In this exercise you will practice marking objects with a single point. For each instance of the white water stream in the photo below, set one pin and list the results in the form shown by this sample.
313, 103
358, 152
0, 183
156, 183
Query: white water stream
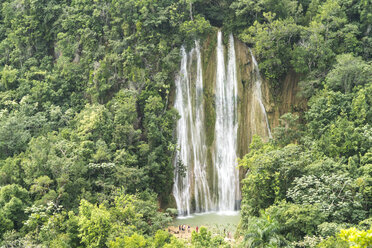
258, 92
191, 137
226, 127
217, 190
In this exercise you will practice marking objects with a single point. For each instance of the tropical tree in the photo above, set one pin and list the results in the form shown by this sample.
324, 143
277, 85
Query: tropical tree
262, 232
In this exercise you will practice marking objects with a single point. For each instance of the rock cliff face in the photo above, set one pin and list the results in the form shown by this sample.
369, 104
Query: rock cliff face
259, 109
276, 101
251, 120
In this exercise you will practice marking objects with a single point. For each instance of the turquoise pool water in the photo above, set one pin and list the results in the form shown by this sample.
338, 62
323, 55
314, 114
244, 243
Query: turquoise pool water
214, 221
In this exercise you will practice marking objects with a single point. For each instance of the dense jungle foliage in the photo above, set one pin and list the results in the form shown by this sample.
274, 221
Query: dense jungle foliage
86, 128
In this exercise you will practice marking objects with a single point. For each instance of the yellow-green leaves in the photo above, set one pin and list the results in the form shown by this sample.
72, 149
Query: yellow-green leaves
357, 238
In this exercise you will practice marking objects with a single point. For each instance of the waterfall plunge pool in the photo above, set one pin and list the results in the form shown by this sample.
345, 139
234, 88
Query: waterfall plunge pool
216, 222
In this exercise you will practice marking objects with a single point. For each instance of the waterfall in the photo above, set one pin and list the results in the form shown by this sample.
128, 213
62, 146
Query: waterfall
191, 137
193, 189
181, 187
202, 194
258, 92
226, 127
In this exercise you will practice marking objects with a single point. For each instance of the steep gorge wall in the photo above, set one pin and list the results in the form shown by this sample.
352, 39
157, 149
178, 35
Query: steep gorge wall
209, 63
276, 101
251, 118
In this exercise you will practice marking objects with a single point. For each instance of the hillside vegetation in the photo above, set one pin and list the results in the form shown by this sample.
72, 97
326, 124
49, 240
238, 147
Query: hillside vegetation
87, 128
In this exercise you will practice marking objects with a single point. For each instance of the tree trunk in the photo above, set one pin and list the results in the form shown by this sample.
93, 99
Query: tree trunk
191, 11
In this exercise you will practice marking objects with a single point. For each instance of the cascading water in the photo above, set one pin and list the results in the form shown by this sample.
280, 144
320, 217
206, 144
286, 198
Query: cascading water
258, 92
191, 137
194, 190
202, 194
226, 127
181, 187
